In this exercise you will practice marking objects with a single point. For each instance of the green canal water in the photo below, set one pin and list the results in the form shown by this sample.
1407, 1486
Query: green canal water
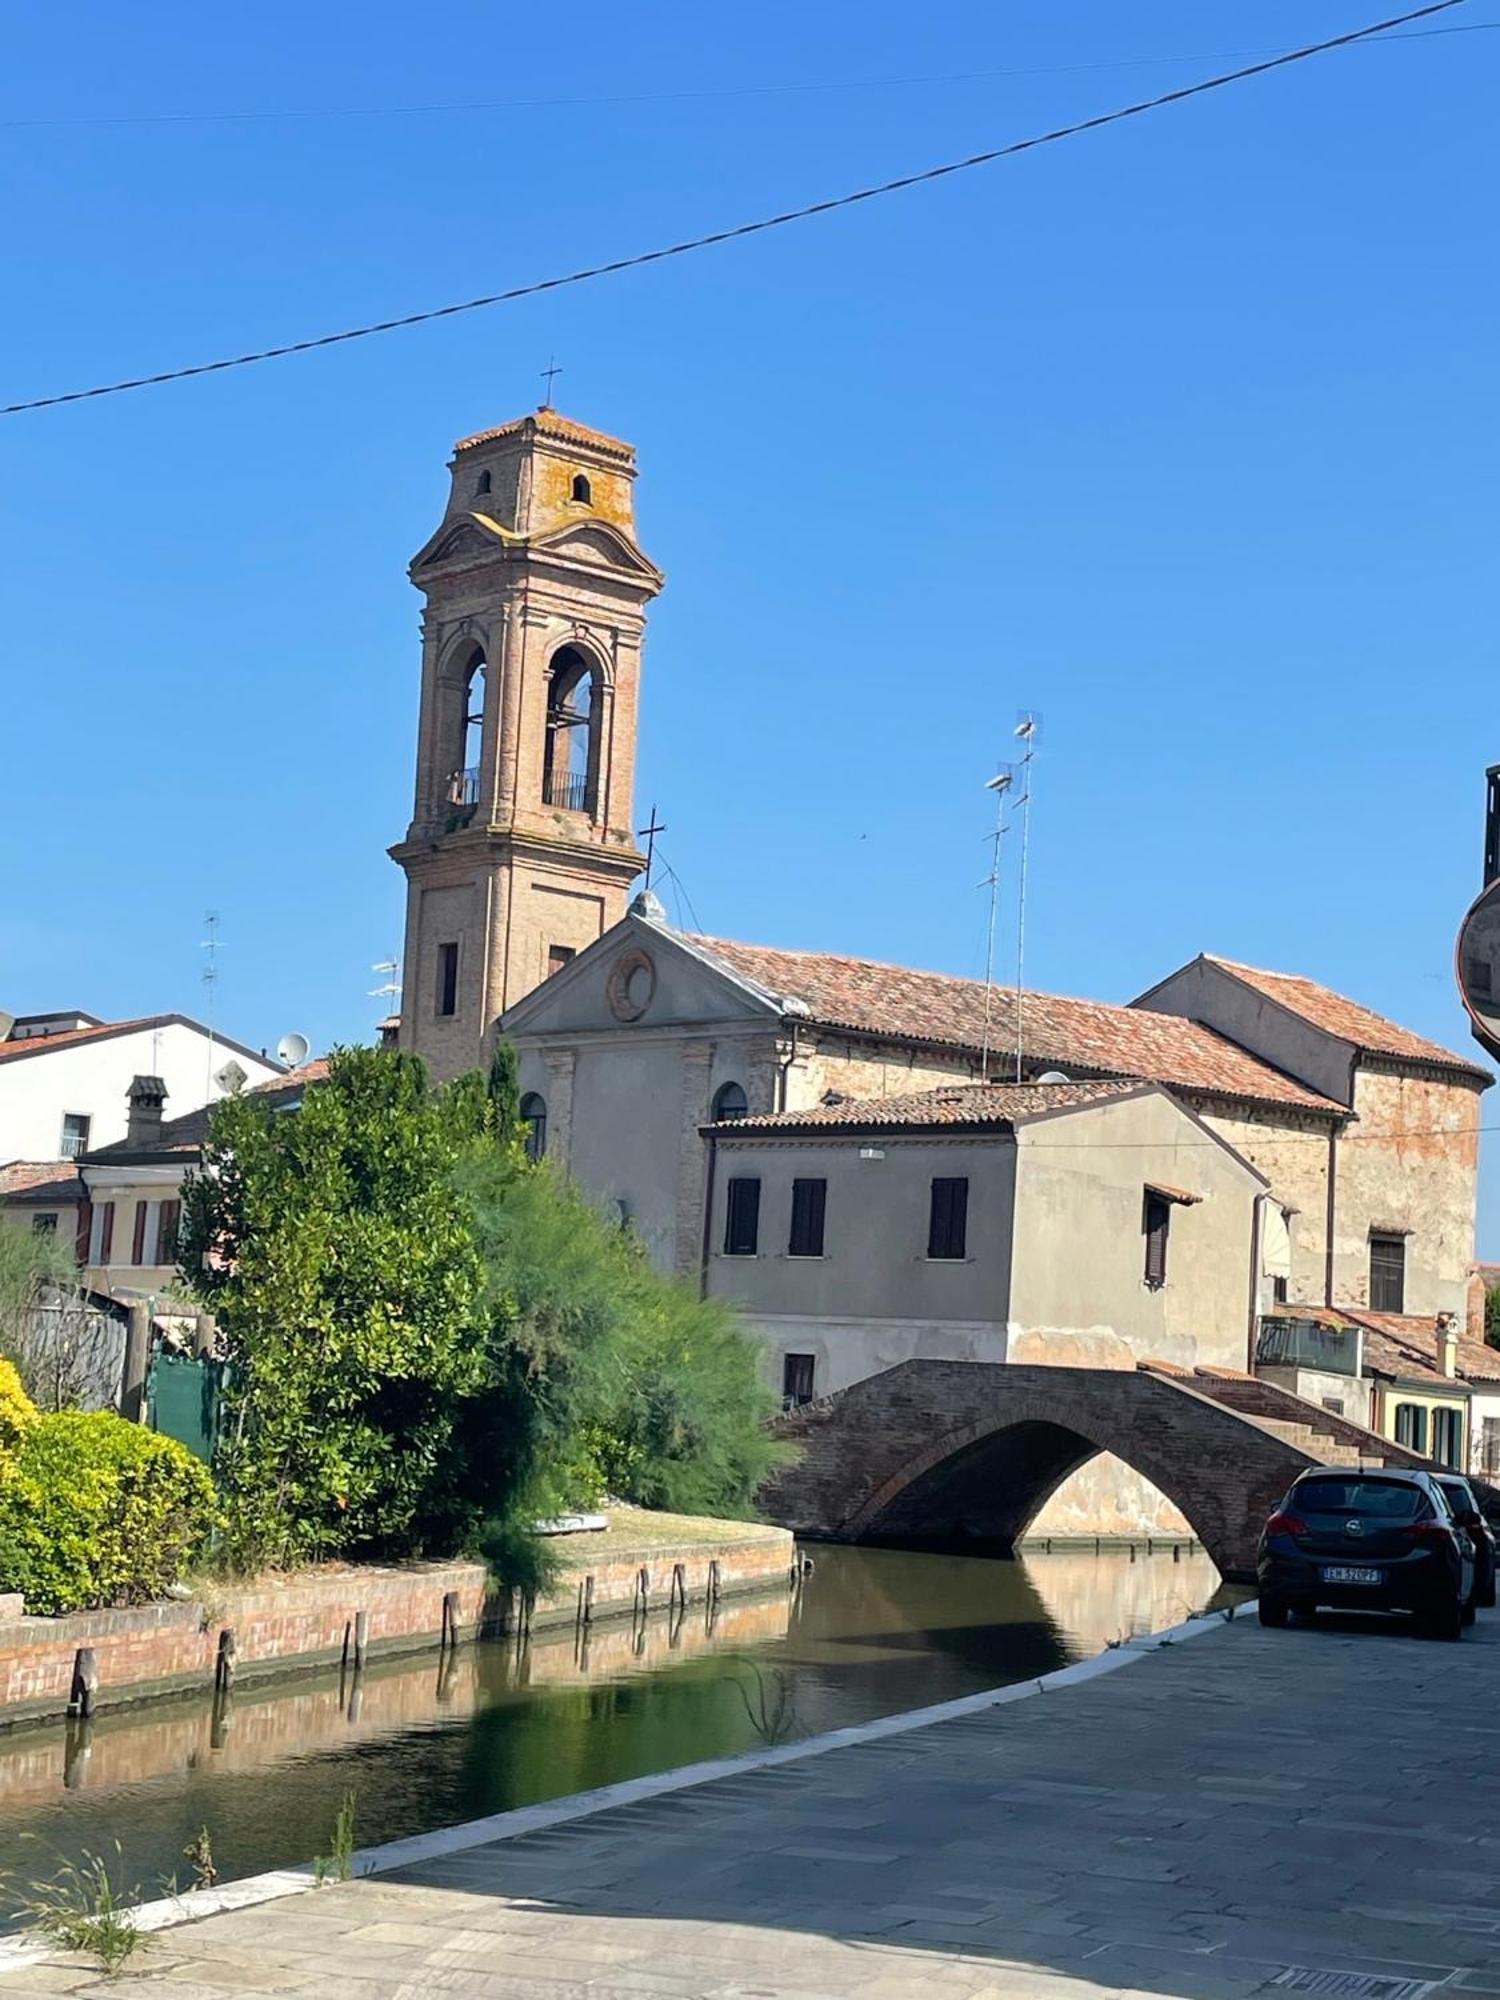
870, 1632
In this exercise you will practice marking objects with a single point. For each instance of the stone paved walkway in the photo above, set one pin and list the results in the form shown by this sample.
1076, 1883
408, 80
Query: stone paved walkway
1194, 1825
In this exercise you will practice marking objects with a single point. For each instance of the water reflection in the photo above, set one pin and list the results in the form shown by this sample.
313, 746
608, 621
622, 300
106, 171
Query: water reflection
434, 1739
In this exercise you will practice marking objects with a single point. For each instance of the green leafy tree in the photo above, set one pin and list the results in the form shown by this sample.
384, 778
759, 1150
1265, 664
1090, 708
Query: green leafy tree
339, 1261
1492, 1316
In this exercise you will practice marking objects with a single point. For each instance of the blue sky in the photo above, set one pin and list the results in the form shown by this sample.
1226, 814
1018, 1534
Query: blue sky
1183, 433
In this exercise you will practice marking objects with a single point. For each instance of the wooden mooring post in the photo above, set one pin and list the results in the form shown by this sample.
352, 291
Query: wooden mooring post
450, 1620
361, 1639
224, 1664
85, 1683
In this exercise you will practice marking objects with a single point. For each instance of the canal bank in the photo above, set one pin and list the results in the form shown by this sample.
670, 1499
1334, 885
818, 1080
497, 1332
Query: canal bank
1204, 1820
353, 1614
428, 1741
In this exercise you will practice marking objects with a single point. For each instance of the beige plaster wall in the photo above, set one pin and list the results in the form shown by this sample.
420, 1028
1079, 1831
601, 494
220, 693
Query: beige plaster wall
1292, 1153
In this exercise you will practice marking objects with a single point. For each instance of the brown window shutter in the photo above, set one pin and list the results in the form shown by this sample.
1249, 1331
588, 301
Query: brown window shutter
84, 1230
138, 1243
166, 1232
106, 1232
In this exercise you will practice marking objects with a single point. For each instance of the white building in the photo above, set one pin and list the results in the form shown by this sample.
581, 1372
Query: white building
64, 1077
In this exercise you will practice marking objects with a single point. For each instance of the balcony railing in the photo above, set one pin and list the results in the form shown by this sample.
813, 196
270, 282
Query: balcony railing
1308, 1343
569, 789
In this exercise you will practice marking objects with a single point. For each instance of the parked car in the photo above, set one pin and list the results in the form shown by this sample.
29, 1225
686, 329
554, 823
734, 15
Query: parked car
1382, 1540
1460, 1497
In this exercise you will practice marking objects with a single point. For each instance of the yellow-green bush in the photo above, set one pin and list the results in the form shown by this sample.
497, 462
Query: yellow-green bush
96, 1511
17, 1414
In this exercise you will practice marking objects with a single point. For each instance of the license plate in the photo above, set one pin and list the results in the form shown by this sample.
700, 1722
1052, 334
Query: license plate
1346, 1575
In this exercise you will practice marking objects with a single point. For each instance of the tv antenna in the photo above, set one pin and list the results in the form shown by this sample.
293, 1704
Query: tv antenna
389, 988
1000, 784
213, 944
1027, 730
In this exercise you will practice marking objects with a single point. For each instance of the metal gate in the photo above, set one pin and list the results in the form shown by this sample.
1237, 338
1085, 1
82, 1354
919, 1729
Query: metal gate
183, 1398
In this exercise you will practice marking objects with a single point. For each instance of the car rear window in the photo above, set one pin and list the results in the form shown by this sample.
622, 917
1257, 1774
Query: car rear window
1385, 1499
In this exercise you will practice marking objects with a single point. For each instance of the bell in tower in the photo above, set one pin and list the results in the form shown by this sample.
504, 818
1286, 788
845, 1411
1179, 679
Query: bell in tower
520, 850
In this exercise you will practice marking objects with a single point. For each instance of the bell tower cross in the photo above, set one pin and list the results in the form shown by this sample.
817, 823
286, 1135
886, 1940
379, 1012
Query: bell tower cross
521, 846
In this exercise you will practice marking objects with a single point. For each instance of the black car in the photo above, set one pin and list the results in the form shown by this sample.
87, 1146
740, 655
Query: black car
1460, 1497
1382, 1540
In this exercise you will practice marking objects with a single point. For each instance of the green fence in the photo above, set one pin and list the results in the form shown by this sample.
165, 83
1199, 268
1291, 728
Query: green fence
183, 1399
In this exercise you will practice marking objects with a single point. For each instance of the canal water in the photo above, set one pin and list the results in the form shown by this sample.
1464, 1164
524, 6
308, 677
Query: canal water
870, 1632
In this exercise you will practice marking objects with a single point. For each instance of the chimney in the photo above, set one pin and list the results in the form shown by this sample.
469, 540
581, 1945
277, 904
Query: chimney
1447, 1343
146, 1096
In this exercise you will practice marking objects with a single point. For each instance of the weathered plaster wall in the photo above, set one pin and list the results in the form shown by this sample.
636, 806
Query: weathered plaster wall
828, 1062
1410, 1163
1292, 1152
1206, 992
1109, 1501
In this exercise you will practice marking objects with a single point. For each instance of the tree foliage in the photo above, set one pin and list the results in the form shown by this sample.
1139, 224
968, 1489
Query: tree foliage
432, 1340
1492, 1315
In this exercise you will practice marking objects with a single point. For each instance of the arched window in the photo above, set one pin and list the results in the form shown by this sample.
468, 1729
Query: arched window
729, 1102
581, 489
571, 778
481, 484
464, 784
534, 1118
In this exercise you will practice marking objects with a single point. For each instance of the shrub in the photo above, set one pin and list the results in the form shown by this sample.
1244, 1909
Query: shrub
95, 1511
17, 1412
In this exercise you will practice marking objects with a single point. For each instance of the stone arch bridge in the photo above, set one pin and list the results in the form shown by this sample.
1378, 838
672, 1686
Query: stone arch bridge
970, 1450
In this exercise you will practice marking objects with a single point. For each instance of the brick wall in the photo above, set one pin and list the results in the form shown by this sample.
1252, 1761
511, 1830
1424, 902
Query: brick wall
304, 1618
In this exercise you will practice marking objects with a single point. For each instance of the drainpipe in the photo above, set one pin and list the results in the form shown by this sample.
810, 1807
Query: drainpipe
1328, 1226
1257, 1240
785, 1069
708, 1216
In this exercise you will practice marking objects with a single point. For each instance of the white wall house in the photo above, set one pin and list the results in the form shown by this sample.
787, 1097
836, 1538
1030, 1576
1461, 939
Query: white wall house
63, 1094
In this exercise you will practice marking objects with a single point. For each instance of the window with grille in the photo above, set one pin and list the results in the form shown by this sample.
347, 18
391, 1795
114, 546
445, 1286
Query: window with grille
1156, 1223
1387, 1274
1411, 1426
948, 1217
742, 1216
1448, 1437
75, 1134
796, 1380
809, 1199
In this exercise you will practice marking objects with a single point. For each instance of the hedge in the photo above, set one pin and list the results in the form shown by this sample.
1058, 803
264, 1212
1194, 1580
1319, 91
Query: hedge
96, 1511
17, 1414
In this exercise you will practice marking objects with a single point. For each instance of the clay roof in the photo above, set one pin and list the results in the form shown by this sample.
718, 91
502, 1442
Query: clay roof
938, 1008
187, 1133
548, 423
40, 1180
1407, 1344
38, 1045
1370, 1032
999, 1105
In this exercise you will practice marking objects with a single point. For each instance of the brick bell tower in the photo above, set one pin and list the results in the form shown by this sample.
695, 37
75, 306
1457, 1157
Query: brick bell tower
521, 851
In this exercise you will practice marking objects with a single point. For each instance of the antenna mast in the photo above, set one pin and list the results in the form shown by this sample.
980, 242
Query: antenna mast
1026, 732
1000, 784
212, 945
389, 988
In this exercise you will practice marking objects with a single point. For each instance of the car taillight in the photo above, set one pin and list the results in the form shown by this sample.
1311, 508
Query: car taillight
1286, 1524
1427, 1531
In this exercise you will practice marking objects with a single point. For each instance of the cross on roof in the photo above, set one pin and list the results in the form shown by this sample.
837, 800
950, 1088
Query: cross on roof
648, 833
548, 374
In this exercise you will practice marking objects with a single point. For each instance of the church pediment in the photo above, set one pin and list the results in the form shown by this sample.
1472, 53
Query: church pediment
470, 540
637, 976
599, 545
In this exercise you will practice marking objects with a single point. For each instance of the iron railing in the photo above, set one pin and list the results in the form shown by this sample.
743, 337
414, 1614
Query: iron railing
1308, 1343
569, 789
463, 787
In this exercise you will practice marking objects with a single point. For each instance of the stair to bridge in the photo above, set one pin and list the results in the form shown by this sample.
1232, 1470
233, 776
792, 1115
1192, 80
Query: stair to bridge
1323, 1435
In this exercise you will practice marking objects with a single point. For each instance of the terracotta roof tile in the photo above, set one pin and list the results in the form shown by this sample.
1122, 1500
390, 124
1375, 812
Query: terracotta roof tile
187, 1133
1407, 1344
33, 1045
551, 424
941, 1009
1344, 1017
992, 1104
40, 1180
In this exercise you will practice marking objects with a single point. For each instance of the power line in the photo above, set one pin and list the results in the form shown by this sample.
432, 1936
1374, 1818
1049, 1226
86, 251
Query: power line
707, 94
644, 257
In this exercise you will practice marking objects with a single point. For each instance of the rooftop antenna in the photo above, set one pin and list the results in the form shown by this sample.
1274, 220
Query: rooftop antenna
1027, 729
389, 988
212, 944
1000, 784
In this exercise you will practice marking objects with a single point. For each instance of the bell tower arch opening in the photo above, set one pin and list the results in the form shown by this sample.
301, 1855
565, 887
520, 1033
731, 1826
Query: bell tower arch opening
521, 848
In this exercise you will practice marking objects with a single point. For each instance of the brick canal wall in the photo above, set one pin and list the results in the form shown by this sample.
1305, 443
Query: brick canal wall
306, 1619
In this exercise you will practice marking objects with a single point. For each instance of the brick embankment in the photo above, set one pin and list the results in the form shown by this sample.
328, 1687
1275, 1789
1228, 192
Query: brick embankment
1244, 1813
307, 1618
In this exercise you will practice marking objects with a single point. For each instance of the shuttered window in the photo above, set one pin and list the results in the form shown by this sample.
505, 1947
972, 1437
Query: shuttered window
106, 1233
166, 1232
138, 1239
809, 1200
1387, 1274
1411, 1426
742, 1217
1156, 1221
1448, 1437
948, 1217
796, 1380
